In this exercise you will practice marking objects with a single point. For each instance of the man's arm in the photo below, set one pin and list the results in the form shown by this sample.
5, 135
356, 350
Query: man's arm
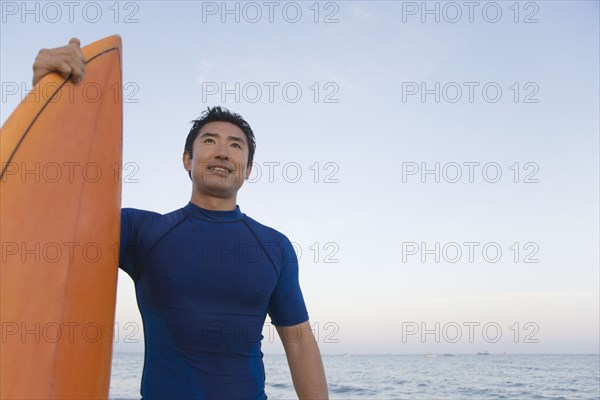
305, 362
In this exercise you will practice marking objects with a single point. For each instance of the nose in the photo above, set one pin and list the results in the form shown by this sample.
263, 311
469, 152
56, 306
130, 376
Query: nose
222, 152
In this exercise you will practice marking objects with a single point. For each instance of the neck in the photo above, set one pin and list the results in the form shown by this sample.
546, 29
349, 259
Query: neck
213, 203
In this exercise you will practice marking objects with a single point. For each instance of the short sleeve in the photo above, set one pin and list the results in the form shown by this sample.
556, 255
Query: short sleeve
127, 253
287, 305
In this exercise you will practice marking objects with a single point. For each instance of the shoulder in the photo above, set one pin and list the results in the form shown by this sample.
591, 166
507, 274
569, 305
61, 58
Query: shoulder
137, 213
275, 243
266, 232
146, 218
137, 216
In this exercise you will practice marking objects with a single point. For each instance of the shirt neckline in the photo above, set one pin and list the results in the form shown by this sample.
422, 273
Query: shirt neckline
213, 215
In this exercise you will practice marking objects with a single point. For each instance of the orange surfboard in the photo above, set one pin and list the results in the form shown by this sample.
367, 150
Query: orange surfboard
60, 199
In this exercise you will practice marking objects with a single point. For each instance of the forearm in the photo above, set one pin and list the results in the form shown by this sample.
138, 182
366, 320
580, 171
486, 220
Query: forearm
308, 374
306, 366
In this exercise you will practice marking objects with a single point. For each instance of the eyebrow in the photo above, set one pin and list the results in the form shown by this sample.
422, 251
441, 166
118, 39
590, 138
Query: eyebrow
232, 138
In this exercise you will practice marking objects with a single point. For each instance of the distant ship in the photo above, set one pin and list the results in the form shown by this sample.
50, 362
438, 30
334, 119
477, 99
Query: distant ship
448, 355
429, 355
485, 353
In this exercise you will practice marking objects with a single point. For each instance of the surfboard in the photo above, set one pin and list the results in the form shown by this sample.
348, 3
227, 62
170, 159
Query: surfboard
60, 198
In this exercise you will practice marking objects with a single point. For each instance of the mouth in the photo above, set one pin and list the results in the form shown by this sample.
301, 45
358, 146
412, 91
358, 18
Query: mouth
220, 169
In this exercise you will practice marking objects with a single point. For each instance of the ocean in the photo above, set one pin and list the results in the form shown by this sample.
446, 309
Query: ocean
502, 376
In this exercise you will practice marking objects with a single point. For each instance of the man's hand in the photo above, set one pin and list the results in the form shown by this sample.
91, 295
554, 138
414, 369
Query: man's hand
67, 60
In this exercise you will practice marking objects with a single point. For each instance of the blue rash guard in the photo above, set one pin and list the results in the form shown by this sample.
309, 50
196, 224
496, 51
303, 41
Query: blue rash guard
205, 281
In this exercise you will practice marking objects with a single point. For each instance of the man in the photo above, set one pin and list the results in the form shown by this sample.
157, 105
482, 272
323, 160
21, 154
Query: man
206, 275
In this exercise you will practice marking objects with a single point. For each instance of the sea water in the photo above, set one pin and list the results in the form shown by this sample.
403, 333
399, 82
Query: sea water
492, 376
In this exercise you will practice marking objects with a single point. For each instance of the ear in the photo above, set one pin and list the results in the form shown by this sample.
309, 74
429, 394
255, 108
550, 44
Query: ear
187, 161
248, 171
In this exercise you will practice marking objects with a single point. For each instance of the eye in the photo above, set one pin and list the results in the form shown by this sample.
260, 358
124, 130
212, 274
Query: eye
207, 139
237, 145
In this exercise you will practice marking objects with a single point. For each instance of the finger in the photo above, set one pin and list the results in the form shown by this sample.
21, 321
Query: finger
75, 41
36, 78
77, 67
77, 61
64, 69
76, 74
80, 55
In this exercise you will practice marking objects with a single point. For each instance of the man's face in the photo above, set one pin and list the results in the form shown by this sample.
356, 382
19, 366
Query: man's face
219, 161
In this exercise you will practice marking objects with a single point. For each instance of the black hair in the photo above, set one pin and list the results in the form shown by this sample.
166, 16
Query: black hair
215, 114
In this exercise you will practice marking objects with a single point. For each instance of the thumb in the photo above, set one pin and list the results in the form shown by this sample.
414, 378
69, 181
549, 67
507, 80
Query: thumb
75, 41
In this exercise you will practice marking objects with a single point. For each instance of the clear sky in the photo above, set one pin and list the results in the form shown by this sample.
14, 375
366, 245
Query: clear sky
355, 106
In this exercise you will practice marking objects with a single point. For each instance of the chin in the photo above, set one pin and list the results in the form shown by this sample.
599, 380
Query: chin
216, 190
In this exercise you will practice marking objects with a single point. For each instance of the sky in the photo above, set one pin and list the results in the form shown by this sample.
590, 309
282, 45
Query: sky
436, 165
